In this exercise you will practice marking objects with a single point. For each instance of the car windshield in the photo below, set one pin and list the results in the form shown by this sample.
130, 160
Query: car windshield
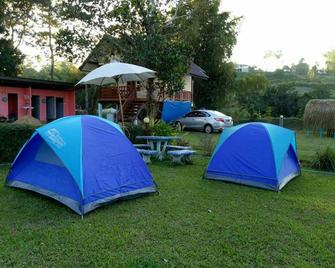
216, 113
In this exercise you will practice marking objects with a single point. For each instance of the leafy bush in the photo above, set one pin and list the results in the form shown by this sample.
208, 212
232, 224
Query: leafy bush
237, 113
12, 138
207, 145
159, 129
132, 131
163, 129
324, 160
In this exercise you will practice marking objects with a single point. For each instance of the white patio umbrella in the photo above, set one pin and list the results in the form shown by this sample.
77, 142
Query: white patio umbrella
116, 72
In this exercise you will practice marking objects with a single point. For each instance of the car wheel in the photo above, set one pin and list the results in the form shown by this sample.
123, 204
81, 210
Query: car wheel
208, 129
179, 126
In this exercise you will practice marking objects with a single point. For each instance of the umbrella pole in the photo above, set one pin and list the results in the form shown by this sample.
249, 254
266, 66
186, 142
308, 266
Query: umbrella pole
121, 107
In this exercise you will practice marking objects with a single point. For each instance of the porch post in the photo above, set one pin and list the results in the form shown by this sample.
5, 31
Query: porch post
86, 98
192, 85
120, 101
30, 102
99, 109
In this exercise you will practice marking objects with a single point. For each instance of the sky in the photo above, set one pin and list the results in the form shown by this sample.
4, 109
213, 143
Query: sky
297, 28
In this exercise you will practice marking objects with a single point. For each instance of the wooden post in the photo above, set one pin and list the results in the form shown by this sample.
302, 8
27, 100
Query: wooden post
86, 98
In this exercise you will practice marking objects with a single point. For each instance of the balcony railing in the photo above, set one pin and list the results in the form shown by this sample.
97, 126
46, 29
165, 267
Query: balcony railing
183, 96
111, 93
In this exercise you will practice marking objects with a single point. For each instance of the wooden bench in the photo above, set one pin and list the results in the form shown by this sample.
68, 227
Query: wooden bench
175, 147
142, 146
180, 156
146, 155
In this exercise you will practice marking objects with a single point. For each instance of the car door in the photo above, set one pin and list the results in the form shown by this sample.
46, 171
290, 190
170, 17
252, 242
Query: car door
187, 120
199, 120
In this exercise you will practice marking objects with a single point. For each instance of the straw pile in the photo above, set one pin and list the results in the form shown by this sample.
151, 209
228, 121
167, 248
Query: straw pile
28, 120
320, 114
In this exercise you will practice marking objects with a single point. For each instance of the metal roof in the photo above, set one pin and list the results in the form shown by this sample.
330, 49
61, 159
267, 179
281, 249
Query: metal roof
35, 83
105, 50
197, 71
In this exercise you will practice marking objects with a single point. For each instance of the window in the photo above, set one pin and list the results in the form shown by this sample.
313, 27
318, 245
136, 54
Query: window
191, 114
202, 114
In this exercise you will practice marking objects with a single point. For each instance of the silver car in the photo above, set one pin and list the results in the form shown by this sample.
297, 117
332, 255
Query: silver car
205, 120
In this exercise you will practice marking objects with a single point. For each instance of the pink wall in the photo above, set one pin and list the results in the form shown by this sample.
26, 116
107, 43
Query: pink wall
24, 100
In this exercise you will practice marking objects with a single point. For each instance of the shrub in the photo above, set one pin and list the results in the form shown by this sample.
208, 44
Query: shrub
207, 145
12, 138
132, 131
159, 129
163, 129
324, 160
237, 113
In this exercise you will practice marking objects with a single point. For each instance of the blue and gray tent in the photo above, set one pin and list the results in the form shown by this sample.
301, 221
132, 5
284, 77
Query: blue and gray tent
81, 161
255, 154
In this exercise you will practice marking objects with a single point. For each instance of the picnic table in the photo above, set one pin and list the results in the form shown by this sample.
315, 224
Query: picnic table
158, 143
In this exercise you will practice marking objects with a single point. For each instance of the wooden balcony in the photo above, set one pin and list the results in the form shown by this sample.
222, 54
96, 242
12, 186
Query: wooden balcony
110, 94
129, 93
183, 96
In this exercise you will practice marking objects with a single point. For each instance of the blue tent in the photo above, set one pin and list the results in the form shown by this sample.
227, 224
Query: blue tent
256, 154
81, 161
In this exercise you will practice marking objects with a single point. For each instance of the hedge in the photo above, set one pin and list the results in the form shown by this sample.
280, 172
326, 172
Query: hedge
12, 138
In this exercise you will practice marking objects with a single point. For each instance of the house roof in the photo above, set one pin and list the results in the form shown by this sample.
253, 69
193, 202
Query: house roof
35, 83
101, 54
197, 71
105, 50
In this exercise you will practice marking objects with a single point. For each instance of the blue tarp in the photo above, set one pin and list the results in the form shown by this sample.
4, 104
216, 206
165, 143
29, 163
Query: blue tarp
81, 161
172, 110
256, 154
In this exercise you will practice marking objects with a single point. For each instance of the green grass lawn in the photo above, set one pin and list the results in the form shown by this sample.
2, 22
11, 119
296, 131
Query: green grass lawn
191, 223
307, 145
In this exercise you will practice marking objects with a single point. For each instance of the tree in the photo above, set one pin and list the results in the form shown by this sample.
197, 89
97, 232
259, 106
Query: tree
17, 20
330, 62
140, 28
301, 68
64, 71
286, 69
312, 72
250, 91
210, 36
86, 23
10, 57
2, 16
282, 99
47, 25
146, 41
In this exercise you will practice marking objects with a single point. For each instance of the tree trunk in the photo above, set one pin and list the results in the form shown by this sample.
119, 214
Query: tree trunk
151, 104
52, 56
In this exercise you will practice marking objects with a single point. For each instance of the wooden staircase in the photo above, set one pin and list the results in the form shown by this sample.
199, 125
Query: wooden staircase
131, 109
